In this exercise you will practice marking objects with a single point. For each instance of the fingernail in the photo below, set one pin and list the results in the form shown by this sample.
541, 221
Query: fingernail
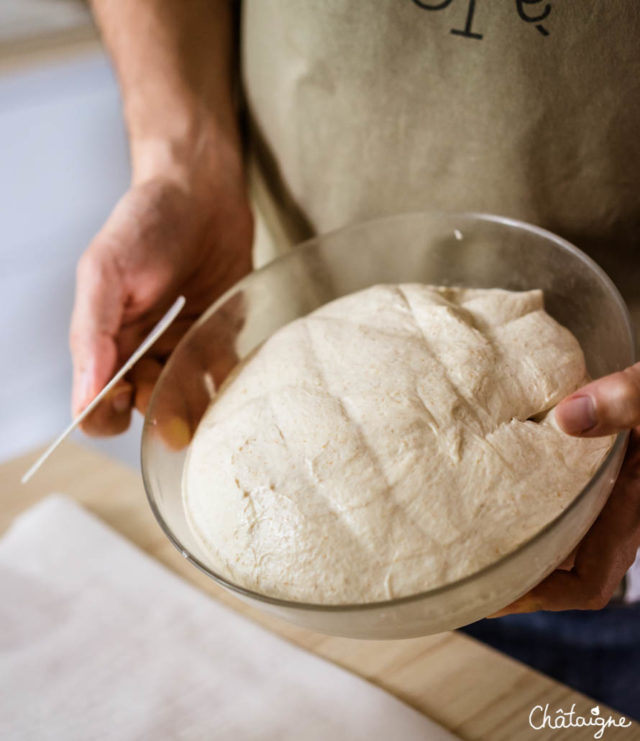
577, 415
121, 401
176, 432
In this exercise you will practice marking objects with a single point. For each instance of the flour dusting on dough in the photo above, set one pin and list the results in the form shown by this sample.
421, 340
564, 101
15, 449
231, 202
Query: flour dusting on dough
386, 444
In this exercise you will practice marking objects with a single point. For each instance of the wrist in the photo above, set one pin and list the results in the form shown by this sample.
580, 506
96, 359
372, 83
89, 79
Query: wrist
196, 156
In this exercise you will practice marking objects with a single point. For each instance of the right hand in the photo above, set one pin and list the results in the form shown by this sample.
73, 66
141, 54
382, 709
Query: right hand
166, 236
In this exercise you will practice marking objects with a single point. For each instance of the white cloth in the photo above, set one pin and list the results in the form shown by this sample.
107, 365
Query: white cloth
98, 641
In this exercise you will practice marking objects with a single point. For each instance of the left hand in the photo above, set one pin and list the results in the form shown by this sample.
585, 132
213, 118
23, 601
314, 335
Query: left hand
589, 577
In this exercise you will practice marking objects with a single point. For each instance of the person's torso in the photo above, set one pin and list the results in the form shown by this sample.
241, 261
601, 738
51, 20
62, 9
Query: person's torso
524, 108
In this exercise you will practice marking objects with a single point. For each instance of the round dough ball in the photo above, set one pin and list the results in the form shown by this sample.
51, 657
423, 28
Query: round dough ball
392, 441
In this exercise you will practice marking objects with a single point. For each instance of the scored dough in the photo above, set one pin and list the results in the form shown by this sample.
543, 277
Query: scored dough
384, 445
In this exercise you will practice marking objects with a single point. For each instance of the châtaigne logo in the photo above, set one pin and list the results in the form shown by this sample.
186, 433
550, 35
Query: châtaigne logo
541, 717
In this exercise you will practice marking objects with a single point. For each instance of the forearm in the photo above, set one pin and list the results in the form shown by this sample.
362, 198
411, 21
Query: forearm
174, 64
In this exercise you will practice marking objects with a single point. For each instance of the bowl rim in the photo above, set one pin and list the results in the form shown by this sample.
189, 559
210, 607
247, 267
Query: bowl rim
619, 443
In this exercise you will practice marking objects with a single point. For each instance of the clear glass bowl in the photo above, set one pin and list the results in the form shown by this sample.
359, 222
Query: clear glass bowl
438, 248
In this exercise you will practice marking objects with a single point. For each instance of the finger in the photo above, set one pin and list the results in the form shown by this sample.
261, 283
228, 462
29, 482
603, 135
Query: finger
131, 336
144, 376
195, 375
95, 321
171, 414
113, 415
184, 399
603, 407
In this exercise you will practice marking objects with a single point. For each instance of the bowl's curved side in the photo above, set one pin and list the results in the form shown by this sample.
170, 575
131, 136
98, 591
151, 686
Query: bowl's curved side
464, 249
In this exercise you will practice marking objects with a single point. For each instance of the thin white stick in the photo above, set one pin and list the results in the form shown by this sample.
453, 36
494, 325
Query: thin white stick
160, 327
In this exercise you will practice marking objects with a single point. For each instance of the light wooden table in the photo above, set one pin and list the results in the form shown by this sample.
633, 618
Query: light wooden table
469, 688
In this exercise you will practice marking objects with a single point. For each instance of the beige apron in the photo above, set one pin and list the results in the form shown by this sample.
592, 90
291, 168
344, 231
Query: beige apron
525, 108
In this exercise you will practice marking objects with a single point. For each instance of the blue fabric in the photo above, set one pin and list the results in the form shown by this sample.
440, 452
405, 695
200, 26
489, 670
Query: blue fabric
597, 653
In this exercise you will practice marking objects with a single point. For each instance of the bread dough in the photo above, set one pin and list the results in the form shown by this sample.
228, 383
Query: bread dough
392, 441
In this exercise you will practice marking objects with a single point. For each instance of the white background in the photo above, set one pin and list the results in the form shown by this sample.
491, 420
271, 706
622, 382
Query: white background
63, 164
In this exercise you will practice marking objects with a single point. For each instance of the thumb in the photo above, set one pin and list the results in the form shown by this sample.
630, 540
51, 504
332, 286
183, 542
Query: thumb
97, 315
603, 407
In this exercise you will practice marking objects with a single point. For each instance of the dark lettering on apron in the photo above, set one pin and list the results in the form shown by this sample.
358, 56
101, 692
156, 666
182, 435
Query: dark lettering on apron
526, 9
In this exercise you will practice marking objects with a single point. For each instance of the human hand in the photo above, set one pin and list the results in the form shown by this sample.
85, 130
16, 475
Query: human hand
590, 576
169, 234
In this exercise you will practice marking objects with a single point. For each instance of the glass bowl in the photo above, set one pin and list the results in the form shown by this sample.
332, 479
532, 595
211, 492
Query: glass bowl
473, 250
